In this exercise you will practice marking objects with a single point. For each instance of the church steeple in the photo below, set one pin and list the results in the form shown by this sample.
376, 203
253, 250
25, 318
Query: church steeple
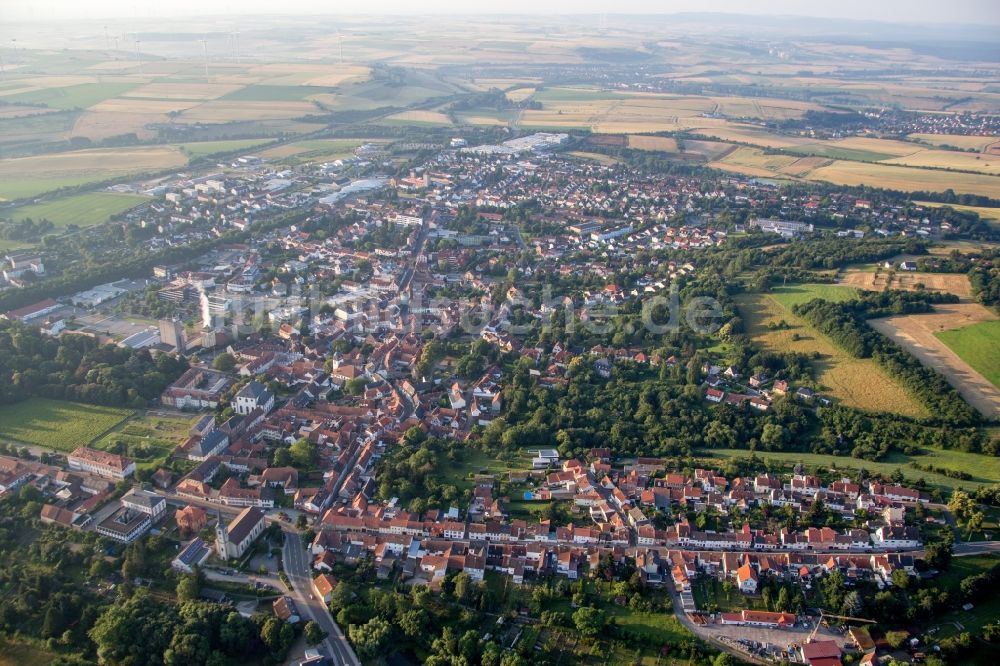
221, 537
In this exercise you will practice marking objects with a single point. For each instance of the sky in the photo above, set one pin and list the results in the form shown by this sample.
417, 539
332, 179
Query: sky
910, 11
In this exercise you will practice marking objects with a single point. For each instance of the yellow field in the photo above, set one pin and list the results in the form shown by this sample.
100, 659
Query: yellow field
851, 381
983, 212
841, 172
302, 74
102, 125
950, 159
957, 140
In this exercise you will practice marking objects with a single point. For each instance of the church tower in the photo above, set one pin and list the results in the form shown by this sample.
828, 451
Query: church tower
221, 537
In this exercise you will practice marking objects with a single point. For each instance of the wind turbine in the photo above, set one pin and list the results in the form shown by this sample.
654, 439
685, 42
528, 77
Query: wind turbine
204, 45
340, 36
236, 42
107, 39
138, 57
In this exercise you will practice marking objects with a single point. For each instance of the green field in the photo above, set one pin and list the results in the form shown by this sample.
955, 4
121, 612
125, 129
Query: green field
978, 346
204, 148
29, 186
834, 152
985, 470
23, 654
71, 97
270, 93
79, 209
56, 424
797, 294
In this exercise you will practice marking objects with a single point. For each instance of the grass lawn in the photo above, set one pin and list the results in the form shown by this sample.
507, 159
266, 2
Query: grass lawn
977, 345
56, 424
23, 654
710, 594
985, 470
80, 209
985, 611
149, 440
797, 294
462, 474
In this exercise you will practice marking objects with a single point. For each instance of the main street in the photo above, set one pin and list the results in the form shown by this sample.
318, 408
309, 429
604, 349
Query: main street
297, 566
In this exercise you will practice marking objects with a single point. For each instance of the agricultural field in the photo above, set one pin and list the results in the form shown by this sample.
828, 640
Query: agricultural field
950, 159
905, 178
80, 96
205, 148
984, 470
57, 424
29, 176
82, 210
870, 280
419, 117
920, 334
977, 346
979, 143
852, 381
992, 214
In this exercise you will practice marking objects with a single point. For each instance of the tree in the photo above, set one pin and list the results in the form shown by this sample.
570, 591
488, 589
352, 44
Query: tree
723, 659
307, 536
463, 584
313, 633
896, 639
224, 362
589, 621
188, 588
303, 453
371, 637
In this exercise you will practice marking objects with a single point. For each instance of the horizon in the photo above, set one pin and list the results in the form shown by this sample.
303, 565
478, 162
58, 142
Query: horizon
961, 12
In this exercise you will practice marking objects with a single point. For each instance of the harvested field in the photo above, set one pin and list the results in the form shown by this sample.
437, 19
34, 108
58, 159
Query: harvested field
419, 117
641, 142
916, 334
851, 381
949, 283
950, 159
907, 179
219, 111
957, 140
97, 125
186, 91
143, 106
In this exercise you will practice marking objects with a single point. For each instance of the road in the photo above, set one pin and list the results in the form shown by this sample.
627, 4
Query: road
297, 560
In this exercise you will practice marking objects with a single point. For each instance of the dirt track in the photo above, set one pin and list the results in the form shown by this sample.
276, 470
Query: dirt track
915, 333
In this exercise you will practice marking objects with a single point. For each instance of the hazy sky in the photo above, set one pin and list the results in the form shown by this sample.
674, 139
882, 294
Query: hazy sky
954, 11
